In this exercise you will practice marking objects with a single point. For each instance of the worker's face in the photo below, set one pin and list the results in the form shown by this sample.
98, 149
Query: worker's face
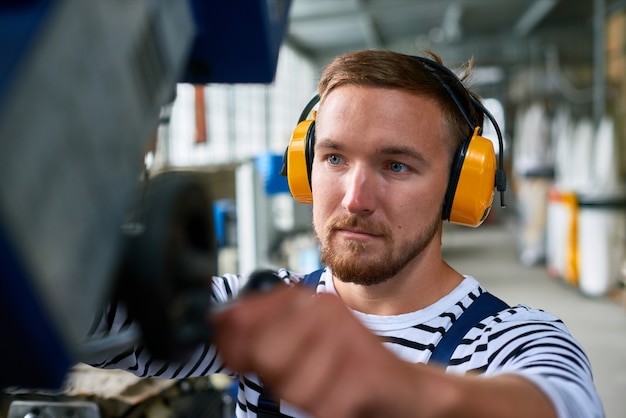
379, 177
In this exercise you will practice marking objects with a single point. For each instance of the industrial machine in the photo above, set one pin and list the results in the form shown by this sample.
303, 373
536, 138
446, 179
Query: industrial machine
81, 87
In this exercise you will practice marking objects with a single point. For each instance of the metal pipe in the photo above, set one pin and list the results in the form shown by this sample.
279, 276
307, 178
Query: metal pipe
599, 56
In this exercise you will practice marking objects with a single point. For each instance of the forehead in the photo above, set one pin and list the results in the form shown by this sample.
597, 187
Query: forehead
380, 114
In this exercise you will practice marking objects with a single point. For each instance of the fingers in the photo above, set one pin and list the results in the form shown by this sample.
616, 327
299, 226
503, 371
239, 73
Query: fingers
241, 324
306, 369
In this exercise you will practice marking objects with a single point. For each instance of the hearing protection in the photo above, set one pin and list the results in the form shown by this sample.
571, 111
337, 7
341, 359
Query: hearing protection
473, 175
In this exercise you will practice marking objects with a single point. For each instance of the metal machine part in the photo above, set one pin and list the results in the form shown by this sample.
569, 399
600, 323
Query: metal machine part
79, 100
81, 86
45, 409
95, 393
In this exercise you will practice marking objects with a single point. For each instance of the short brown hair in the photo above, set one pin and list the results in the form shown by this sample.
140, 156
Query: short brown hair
388, 69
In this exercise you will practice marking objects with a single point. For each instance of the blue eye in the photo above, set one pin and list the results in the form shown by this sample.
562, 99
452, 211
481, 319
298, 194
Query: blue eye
397, 167
334, 159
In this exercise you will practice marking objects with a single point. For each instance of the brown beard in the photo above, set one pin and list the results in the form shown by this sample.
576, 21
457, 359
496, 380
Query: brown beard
346, 258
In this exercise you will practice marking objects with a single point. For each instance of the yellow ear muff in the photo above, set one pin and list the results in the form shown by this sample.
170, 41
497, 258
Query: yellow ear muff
474, 192
297, 164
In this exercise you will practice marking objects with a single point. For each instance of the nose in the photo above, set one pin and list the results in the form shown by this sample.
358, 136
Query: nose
359, 191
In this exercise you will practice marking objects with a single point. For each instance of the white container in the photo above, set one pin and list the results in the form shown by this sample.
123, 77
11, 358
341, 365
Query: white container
601, 243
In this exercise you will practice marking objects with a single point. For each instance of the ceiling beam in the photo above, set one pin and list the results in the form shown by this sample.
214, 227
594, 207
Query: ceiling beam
533, 16
370, 31
368, 27
347, 10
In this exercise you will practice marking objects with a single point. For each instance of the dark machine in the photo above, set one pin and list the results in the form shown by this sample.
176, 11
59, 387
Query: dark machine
81, 87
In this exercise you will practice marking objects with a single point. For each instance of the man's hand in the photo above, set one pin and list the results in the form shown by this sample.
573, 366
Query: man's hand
309, 349
313, 352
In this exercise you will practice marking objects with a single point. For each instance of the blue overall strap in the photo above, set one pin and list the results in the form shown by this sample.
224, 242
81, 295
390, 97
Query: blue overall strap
485, 305
313, 278
267, 406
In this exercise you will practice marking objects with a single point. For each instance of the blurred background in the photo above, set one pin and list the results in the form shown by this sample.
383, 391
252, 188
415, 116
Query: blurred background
99, 100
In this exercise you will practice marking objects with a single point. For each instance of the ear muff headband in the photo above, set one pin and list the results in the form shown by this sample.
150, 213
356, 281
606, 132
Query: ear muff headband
473, 174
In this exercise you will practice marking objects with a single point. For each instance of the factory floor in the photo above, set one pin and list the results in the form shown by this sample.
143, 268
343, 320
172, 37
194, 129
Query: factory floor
490, 254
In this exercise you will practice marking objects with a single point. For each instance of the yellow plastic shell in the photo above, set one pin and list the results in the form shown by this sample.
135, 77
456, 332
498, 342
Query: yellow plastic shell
297, 175
475, 189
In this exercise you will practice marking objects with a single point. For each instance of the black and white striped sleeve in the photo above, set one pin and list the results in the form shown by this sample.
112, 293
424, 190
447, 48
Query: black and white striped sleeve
536, 345
114, 321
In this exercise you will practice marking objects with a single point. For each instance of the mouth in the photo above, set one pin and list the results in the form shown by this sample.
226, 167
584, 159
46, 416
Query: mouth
357, 234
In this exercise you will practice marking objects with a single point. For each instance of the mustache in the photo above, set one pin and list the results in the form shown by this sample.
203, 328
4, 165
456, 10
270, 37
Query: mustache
356, 222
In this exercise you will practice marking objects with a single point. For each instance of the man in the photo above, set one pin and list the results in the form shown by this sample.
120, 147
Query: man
386, 134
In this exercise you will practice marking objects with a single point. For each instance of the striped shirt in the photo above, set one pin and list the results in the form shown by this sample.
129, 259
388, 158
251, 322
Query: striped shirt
518, 340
